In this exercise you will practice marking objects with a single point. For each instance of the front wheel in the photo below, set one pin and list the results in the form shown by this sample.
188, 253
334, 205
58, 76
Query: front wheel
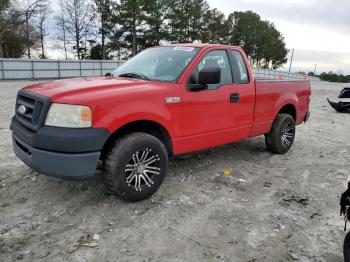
281, 137
135, 167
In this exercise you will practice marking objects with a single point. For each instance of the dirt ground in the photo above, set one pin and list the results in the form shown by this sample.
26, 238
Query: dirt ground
269, 208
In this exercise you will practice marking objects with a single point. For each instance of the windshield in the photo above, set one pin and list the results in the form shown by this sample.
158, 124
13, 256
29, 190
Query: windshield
160, 63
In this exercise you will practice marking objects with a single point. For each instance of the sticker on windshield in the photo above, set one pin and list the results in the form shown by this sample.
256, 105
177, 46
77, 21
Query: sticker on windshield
184, 48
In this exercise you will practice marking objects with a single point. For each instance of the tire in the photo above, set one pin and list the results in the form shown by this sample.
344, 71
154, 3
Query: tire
346, 248
135, 166
281, 137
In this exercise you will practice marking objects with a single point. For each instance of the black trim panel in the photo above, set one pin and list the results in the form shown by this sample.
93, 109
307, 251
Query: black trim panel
307, 116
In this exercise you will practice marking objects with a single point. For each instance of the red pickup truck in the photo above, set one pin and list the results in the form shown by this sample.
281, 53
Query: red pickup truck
165, 101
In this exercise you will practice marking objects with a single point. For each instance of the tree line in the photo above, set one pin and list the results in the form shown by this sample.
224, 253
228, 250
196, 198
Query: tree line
107, 29
332, 77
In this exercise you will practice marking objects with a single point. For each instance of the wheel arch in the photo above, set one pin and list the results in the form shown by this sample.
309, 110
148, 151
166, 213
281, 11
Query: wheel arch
287, 103
143, 126
288, 109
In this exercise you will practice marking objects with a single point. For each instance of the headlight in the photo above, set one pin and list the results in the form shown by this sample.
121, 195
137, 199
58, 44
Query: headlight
73, 116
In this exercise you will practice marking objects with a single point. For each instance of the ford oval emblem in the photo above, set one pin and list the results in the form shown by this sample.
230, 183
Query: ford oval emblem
22, 109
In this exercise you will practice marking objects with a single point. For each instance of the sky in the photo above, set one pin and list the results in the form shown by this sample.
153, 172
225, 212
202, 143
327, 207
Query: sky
318, 30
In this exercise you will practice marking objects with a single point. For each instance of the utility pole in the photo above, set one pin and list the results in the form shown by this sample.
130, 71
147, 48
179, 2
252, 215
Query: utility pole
315, 69
291, 60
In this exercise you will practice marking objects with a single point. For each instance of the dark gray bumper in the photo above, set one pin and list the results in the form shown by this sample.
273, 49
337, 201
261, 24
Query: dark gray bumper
60, 139
63, 165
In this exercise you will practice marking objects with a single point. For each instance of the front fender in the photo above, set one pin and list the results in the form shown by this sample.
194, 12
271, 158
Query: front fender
125, 113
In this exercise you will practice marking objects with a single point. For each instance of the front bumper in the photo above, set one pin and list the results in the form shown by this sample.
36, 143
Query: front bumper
62, 165
59, 152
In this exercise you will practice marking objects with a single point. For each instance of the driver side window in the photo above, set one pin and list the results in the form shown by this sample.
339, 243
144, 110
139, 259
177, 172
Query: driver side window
217, 58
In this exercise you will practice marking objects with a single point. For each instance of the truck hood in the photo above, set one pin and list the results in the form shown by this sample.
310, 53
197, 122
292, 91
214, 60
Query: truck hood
66, 88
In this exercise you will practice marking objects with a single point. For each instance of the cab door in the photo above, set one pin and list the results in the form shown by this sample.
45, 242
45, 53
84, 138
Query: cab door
220, 114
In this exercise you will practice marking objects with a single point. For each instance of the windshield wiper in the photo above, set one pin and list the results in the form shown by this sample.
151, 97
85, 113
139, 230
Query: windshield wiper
135, 75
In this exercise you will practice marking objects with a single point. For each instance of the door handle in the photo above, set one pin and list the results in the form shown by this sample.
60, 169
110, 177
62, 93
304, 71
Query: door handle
234, 98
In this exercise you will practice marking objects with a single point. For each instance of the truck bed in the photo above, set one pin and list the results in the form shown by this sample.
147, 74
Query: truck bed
272, 95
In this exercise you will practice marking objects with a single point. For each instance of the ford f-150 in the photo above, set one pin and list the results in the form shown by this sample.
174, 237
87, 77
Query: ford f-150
165, 101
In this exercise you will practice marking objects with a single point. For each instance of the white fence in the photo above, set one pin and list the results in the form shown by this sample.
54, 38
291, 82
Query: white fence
17, 69
11, 69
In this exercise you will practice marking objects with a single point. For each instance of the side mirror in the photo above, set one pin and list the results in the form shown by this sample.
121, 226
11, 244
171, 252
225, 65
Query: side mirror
108, 74
209, 75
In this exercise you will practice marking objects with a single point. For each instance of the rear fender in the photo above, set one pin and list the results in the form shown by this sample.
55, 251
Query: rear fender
288, 98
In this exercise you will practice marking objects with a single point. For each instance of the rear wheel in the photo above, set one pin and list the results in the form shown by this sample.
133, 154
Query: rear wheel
281, 137
135, 166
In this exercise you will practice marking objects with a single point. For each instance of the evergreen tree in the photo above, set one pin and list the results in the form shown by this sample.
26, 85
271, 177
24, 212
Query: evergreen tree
216, 28
156, 28
131, 17
104, 11
96, 53
186, 19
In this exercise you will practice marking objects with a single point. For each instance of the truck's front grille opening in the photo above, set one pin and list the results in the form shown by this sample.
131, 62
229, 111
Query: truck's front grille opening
29, 110
24, 149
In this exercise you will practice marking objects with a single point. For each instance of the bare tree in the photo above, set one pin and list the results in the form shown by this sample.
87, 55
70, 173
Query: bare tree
30, 8
61, 23
42, 28
80, 17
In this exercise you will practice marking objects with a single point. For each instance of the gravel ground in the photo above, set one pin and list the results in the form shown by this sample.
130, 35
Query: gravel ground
269, 208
